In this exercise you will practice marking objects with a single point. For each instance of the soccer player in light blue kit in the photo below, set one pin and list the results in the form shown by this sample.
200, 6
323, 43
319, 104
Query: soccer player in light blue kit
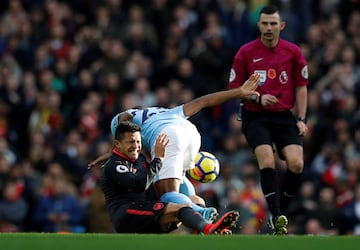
184, 140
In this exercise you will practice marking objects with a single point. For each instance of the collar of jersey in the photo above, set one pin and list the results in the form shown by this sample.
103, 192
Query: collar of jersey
122, 155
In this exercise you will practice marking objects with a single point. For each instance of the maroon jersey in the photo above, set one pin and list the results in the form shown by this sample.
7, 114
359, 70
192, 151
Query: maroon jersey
281, 69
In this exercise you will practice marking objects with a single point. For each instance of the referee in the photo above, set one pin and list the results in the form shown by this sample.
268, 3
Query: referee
278, 116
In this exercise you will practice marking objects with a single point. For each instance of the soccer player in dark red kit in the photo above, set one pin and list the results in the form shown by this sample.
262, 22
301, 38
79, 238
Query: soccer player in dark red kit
278, 116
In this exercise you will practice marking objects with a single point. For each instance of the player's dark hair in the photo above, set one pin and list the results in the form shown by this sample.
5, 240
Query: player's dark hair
269, 9
126, 127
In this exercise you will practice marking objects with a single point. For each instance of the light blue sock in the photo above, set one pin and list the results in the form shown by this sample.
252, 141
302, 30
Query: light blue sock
179, 198
187, 187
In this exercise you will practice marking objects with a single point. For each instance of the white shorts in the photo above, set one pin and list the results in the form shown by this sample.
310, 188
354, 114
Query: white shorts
184, 144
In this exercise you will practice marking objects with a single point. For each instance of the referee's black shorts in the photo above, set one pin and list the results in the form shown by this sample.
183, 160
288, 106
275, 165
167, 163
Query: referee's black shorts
141, 217
270, 128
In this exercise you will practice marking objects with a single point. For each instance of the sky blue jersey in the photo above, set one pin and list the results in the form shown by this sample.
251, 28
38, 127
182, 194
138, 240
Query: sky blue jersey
153, 119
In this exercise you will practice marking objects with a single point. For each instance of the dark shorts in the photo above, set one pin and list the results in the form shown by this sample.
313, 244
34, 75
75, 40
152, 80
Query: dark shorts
270, 128
141, 217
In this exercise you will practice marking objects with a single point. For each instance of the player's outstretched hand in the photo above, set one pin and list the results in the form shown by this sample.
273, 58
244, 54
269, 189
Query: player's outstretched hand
248, 88
161, 142
99, 162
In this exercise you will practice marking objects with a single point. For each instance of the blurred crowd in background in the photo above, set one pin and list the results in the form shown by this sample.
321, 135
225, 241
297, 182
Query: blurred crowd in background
66, 67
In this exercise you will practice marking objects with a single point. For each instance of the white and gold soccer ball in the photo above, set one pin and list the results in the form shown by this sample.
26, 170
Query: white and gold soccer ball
207, 168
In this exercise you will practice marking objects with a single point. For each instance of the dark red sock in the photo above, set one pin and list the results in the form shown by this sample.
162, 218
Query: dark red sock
192, 219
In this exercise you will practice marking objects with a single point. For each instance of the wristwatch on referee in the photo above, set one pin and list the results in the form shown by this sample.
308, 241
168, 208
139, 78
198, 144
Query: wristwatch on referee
253, 98
302, 119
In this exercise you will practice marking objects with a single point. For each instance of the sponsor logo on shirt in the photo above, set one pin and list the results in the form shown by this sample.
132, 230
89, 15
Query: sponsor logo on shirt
255, 60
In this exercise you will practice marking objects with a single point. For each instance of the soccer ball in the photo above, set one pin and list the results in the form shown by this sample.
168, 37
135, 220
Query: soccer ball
207, 168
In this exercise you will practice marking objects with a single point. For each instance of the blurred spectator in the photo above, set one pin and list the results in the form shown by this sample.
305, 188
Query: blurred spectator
92, 198
236, 16
212, 54
139, 34
43, 59
251, 197
89, 117
162, 97
350, 215
14, 17
7, 152
39, 27
60, 211
138, 65
59, 44
159, 15
300, 208
13, 208
313, 227
4, 124
111, 86
326, 212
39, 116
187, 75
167, 66
74, 155
227, 180
11, 95
32, 180
142, 94
174, 87
230, 153
103, 27
114, 59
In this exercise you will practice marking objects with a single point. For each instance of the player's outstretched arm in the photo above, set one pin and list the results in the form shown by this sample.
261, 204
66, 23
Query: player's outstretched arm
99, 162
244, 92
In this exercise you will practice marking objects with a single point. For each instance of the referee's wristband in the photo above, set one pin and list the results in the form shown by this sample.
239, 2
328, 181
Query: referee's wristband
302, 119
256, 99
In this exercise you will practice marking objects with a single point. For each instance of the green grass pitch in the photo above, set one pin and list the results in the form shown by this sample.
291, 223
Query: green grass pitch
40, 241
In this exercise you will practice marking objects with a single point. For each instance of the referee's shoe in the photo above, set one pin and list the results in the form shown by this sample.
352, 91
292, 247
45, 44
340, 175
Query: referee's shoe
278, 224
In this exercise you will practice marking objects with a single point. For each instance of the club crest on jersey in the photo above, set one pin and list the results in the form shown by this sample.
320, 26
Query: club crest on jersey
262, 74
158, 206
283, 77
121, 169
